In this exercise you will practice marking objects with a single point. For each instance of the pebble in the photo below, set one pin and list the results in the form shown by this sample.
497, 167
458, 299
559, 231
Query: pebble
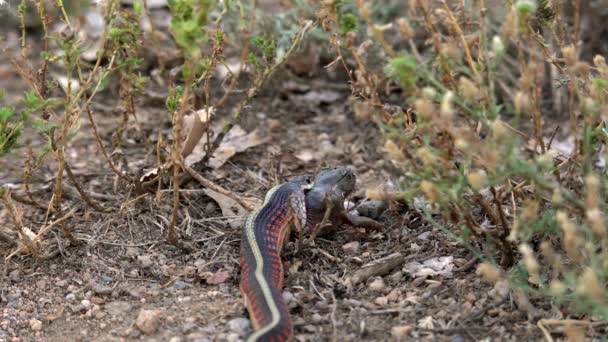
102, 289
180, 285
70, 297
144, 261
317, 318
35, 324
424, 236
351, 247
148, 321
15, 275
382, 301
288, 297
41, 284
418, 281
239, 325
457, 338
401, 330
61, 283
377, 285
85, 303
97, 300
232, 337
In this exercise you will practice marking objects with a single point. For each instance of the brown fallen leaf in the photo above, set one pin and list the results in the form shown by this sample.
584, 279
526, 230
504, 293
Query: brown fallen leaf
231, 209
218, 277
237, 140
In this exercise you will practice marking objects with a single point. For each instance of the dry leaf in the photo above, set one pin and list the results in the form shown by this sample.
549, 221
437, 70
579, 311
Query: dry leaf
427, 323
435, 266
237, 140
230, 208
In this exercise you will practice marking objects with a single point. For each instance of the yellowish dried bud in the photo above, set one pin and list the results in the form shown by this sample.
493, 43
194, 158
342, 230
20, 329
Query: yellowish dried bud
589, 285
592, 183
550, 255
489, 272
570, 240
530, 262
600, 63
500, 129
394, 151
478, 179
427, 156
468, 89
530, 211
405, 28
498, 47
557, 199
596, 221
522, 102
451, 50
515, 228
429, 93
570, 55
590, 106
430, 191
461, 144
446, 110
425, 108
557, 288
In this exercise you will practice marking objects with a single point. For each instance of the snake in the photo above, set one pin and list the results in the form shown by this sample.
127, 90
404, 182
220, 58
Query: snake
308, 204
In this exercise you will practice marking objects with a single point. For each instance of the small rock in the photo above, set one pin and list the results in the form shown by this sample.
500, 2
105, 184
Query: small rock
180, 285
287, 297
175, 339
15, 275
86, 303
102, 289
106, 279
317, 318
424, 236
401, 331
132, 251
97, 300
78, 308
393, 295
377, 285
274, 124
382, 301
35, 324
41, 284
457, 338
61, 283
144, 261
232, 337
351, 247
239, 325
418, 281
70, 297
148, 321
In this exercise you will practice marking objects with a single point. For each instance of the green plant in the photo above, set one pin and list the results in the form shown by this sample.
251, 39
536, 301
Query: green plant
475, 144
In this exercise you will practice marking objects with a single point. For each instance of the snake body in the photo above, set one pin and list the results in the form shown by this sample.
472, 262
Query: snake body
261, 267
298, 203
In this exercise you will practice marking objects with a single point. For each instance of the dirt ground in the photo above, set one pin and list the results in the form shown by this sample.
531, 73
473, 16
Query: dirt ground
123, 269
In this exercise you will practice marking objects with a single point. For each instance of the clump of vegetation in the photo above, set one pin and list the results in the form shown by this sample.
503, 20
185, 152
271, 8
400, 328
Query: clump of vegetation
54, 104
462, 101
